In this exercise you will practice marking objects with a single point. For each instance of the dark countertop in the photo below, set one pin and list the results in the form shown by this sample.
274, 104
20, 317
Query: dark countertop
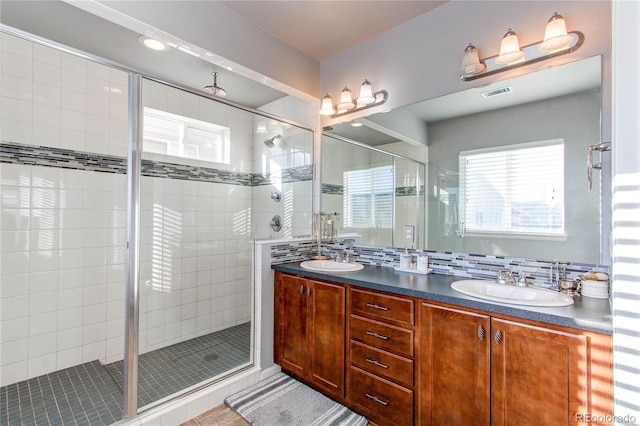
585, 314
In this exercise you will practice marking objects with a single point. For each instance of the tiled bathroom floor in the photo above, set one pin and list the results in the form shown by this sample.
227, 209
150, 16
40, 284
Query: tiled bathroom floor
91, 394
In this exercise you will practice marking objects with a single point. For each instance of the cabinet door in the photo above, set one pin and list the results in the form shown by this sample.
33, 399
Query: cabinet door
291, 324
454, 367
538, 375
327, 336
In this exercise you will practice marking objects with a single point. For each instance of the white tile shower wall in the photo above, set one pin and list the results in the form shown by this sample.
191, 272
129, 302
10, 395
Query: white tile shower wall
293, 149
294, 208
298, 110
195, 259
165, 98
62, 268
52, 98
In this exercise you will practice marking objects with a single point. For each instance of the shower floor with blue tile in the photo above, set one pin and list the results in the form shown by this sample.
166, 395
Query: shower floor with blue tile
91, 393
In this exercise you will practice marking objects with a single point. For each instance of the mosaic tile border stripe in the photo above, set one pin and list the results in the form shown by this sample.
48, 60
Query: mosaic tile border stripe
35, 155
442, 262
331, 189
401, 191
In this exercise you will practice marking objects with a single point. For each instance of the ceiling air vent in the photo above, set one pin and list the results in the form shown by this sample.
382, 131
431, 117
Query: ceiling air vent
496, 92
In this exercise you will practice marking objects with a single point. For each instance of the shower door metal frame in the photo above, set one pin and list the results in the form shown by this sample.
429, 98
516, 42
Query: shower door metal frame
132, 263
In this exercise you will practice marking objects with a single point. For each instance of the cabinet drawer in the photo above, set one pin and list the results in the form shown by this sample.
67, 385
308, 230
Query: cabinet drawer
380, 397
382, 363
389, 308
381, 335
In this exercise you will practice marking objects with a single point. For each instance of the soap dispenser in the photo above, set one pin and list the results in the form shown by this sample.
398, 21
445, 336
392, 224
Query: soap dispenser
405, 259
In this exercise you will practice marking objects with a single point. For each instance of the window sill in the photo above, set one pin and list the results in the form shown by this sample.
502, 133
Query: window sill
516, 236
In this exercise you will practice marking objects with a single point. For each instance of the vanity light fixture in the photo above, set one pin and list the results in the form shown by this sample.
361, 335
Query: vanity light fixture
214, 89
557, 41
367, 99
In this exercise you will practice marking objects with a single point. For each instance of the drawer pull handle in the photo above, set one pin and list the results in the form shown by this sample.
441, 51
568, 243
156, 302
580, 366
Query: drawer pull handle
376, 399
377, 363
374, 306
379, 336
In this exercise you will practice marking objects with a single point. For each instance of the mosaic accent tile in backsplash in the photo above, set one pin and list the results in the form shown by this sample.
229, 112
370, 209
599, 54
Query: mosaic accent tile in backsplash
69, 159
292, 252
447, 263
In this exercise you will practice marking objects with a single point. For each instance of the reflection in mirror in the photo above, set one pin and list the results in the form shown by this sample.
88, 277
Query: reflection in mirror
519, 214
376, 194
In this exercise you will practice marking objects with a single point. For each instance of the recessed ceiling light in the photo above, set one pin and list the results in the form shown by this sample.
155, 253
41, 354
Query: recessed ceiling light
152, 43
356, 124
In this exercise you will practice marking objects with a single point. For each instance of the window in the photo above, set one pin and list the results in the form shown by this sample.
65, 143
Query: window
516, 189
178, 136
368, 197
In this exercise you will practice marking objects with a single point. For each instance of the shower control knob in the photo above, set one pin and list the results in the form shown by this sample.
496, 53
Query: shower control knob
276, 223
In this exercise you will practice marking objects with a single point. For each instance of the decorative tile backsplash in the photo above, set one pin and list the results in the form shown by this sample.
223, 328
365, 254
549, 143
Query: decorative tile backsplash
46, 156
447, 263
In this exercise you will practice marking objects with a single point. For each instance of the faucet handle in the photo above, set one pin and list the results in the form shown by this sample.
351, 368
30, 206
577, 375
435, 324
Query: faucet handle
522, 280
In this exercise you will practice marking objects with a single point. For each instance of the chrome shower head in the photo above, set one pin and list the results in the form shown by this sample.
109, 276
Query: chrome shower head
273, 141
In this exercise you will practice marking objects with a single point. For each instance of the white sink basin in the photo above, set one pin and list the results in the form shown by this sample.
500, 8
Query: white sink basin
530, 296
330, 266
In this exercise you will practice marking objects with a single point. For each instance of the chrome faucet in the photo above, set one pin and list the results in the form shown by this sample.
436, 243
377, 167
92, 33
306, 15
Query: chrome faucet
336, 256
505, 277
557, 273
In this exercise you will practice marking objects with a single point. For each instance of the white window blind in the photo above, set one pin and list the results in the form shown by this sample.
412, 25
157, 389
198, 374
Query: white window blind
517, 189
368, 197
178, 136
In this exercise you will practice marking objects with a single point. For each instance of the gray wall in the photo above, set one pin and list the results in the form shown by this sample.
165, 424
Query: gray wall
576, 119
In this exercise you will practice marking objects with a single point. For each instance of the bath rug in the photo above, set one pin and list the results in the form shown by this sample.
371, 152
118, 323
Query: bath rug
283, 401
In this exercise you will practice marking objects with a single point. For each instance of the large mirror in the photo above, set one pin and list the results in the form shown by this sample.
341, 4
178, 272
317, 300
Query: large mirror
506, 164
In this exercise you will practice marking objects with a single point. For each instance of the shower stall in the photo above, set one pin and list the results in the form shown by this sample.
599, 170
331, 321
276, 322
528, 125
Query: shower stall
129, 207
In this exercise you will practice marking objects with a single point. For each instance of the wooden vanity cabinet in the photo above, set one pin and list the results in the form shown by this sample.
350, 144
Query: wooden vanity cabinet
475, 369
310, 331
454, 369
380, 356
402, 361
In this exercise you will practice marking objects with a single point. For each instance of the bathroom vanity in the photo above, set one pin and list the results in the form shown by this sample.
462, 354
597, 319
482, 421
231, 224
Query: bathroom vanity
406, 349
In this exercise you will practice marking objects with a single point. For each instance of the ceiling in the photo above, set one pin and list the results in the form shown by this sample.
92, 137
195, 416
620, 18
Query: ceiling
322, 29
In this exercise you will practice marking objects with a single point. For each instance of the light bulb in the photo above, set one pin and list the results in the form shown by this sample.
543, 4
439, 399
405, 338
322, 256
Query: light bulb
471, 64
366, 94
346, 100
555, 35
509, 49
327, 106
